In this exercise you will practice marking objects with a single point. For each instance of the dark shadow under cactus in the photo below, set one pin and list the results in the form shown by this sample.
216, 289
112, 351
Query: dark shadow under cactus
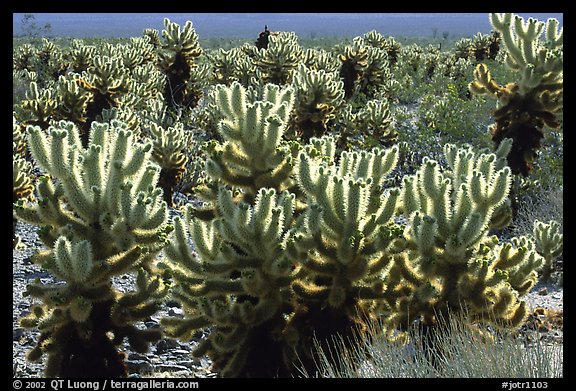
320, 325
94, 357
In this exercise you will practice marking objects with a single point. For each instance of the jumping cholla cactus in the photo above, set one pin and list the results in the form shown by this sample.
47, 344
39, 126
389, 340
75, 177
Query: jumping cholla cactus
277, 63
239, 285
252, 156
345, 240
101, 216
526, 106
72, 101
451, 264
22, 188
389, 45
354, 61
41, 106
180, 48
318, 59
370, 126
549, 244
375, 120
168, 152
81, 56
318, 97
106, 83
232, 65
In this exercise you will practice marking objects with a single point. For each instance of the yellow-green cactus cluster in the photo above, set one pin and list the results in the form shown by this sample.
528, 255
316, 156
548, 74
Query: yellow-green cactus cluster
169, 151
526, 106
153, 37
371, 125
389, 45
549, 243
451, 264
344, 238
233, 65
251, 249
40, 104
100, 215
21, 180
180, 49
279, 61
319, 95
105, 82
73, 101
239, 283
317, 59
354, 61
23, 58
252, 155
81, 56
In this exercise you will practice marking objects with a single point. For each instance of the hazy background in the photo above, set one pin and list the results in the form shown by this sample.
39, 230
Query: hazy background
248, 25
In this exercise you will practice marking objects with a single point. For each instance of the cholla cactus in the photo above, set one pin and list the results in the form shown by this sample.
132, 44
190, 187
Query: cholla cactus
180, 48
345, 240
485, 46
106, 83
317, 59
72, 101
375, 120
22, 188
252, 155
232, 65
153, 37
451, 264
101, 217
277, 63
169, 145
318, 97
23, 58
376, 74
354, 61
239, 285
151, 78
376, 40
41, 106
549, 244
526, 106
371, 125
81, 56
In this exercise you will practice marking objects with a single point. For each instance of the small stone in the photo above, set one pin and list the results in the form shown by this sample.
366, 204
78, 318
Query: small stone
543, 291
139, 366
137, 357
175, 311
166, 344
191, 364
557, 296
170, 367
173, 303
17, 333
180, 352
152, 324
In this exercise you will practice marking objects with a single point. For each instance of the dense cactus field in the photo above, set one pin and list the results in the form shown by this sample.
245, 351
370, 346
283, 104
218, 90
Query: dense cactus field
283, 194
